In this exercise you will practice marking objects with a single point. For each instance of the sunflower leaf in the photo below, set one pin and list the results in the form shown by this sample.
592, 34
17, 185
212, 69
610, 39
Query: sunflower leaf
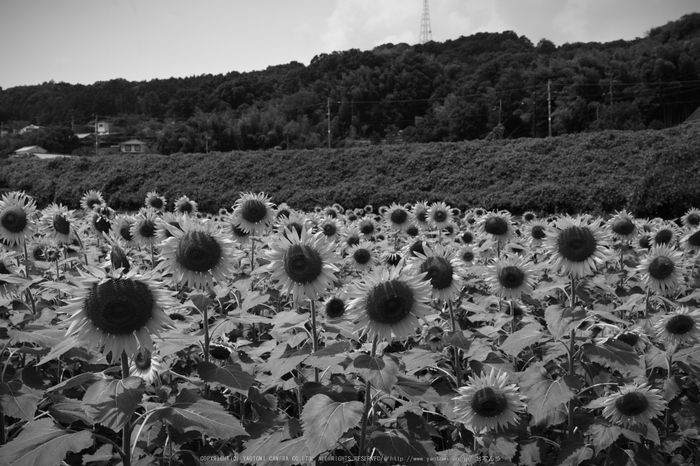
331, 355
381, 371
603, 435
325, 421
18, 400
41, 443
192, 413
418, 359
275, 453
615, 354
518, 341
573, 452
284, 359
232, 376
546, 398
403, 447
560, 321
416, 390
112, 402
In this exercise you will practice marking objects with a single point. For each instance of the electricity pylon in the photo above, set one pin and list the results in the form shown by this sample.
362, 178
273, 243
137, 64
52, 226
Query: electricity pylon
425, 33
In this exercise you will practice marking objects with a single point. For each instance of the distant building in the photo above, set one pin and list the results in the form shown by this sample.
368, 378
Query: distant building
29, 128
102, 127
133, 146
28, 151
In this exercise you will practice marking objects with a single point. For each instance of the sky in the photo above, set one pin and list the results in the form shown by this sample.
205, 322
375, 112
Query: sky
85, 41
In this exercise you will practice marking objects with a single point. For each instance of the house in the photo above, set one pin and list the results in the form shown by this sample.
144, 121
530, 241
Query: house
28, 151
102, 127
29, 128
133, 146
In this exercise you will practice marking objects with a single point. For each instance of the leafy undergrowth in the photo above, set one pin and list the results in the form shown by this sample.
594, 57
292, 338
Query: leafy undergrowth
503, 346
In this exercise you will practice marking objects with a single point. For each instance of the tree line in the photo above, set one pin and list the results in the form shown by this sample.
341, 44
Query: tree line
486, 85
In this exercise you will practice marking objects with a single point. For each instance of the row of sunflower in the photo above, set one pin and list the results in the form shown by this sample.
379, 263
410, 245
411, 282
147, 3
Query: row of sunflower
413, 333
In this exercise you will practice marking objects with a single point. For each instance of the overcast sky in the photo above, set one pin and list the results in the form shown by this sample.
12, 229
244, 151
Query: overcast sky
84, 41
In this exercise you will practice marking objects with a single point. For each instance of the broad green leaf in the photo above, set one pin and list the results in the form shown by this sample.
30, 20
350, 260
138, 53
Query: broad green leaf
284, 359
112, 402
325, 421
418, 359
18, 400
518, 341
190, 412
603, 435
231, 376
402, 447
80, 379
381, 371
416, 390
531, 454
614, 354
104, 453
546, 398
281, 454
561, 321
45, 338
174, 341
573, 452
253, 299
41, 443
329, 356
62, 348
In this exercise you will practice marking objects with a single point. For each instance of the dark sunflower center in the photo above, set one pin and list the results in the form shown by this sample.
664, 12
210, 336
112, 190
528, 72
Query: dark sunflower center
390, 302
439, 272
399, 216
352, 240
496, 226
198, 251
102, 223
576, 244
538, 232
693, 219
119, 306
632, 404
125, 232
661, 267
60, 224
14, 219
663, 236
147, 229
335, 307
694, 239
157, 203
91, 203
422, 215
467, 237
529, 216
439, 215
176, 316
488, 402
302, 263
362, 256
332, 213
680, 324
645, 242
38, 253
295, 226
283, 213
412, 230
623, 226
186, 208
467, 256
367, 228
630, 338
253, 210
143, 360
393, 259
511, 276
219, 352
3, 269
416, 247
329, 229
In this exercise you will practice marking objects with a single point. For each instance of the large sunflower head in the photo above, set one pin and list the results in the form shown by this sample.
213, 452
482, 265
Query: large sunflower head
536, 231
691, 241
253, 213
665, 233
633, 404
678, 327
330, 228
398, 217
118, 314
16, 218
121, 230
691, 219
420, 213
186, 206
577, 245
362, 256
388, 303
489, 402
498, 224
623, 226
304, 265
197, 254
662, 269
441, 268
144, 229
509, 278
58, 224
155, 201
439, 215
91, 200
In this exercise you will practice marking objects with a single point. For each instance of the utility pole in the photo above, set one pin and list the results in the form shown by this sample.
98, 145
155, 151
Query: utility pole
549, 105
329, 123
97, 138
534, 111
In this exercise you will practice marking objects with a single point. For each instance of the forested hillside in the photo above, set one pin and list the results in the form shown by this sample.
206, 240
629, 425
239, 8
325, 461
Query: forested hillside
495, 85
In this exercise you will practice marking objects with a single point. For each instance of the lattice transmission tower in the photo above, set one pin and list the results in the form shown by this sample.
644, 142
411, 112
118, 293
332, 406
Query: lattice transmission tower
426, 34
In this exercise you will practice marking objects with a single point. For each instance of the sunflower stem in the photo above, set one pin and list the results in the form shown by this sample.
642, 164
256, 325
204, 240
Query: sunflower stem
205, 318
126, 430
368, 400
669, 376
314, 336
252, 255
2, 429
26, 271
572, 350
457, 356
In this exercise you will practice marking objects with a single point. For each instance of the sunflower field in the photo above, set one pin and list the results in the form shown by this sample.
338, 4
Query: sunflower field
413, 333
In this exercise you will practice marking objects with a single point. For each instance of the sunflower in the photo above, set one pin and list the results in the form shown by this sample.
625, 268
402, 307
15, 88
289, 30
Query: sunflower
304, 265
489, 403
57, 223
351, 237
529, 217
665, 233
434, 334
662, 269
120, 314
366, 226
147, 366
165, 223
398, 217
330, 228
155, 201
466, 254
498, 224
335, 307
633, 404
536, 231
143, 230
577, 245
441, 269
680, 326
420, 214
691, 241
509, 278
295, 221
253, 213
91, 199
635, 337
623, 226
362, 256
439, 215
691, 219
197, 254
389, 301
16, 218
467, 237
186, 206
121, 231
392, 259
117, 259
10, 275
